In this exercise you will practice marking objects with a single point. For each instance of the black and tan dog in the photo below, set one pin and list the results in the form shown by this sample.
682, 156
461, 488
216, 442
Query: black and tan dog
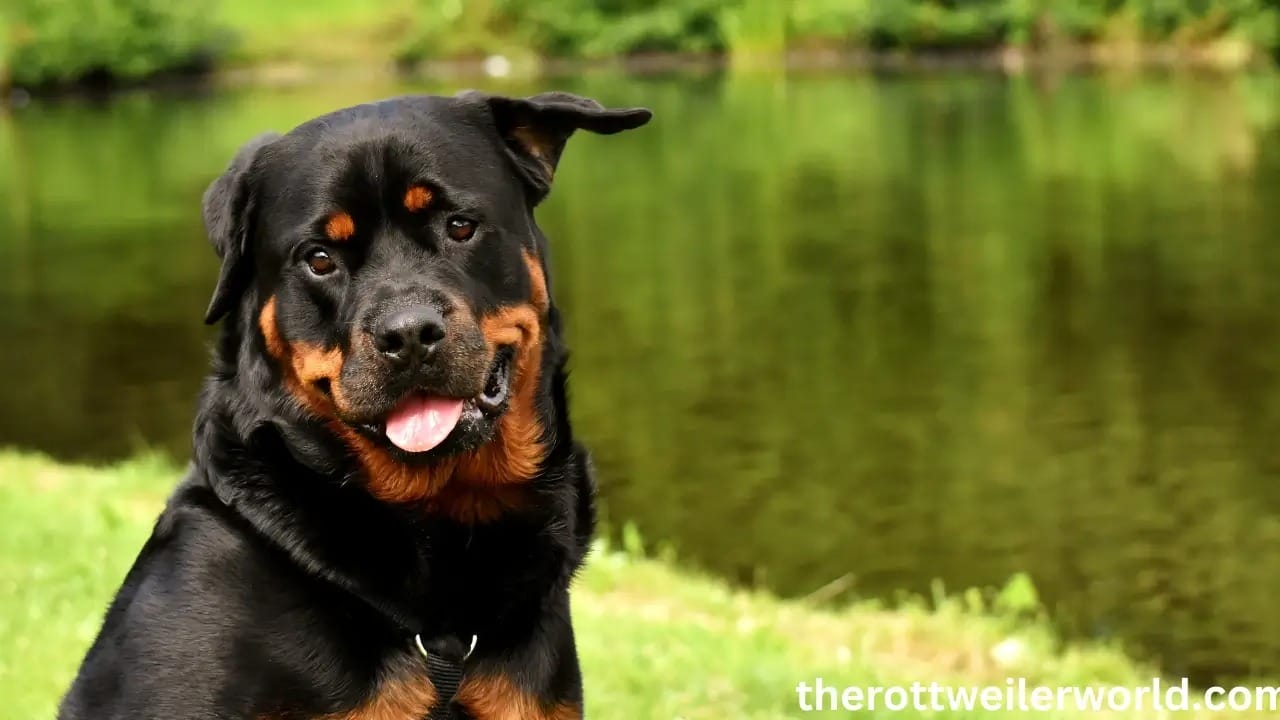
387, 504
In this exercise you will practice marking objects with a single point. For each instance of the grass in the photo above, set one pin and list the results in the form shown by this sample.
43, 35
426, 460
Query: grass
655, 642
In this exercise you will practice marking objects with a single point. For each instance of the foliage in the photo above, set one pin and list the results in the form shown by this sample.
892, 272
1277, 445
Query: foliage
57, 41
596, 28
320, 33
583, 28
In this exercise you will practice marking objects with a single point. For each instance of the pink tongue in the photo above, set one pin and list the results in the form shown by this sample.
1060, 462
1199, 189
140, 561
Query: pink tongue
422, 422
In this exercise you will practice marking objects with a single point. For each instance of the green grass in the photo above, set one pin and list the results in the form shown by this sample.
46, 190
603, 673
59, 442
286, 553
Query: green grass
655, 642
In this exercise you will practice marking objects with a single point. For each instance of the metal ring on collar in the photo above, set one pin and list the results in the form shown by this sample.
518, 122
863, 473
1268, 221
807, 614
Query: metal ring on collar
417, 640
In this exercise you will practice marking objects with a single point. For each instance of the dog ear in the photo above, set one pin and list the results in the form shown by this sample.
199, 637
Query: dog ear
535, 129
228, 205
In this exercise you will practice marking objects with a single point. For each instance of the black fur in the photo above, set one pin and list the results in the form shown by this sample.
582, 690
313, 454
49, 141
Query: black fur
275, 584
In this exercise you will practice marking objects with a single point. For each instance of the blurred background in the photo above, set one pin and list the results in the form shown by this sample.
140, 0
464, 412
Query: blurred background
893, 295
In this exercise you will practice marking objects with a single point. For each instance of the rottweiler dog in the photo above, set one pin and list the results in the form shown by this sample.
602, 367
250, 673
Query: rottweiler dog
386, 504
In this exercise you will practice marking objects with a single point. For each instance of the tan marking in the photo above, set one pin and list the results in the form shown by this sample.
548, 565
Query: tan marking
417, 198
402, 698
340, 227
305, 365
392, 481
537, 144
497, 698
538, 296
405, 694
516, 450
270, 331
474, 506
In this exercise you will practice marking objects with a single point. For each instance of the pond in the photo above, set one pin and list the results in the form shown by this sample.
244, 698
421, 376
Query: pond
872, 329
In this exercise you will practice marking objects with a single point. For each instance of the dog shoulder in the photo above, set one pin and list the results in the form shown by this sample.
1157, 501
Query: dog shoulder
205, 599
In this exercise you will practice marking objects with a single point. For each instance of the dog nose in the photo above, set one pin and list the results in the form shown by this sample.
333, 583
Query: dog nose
409, 336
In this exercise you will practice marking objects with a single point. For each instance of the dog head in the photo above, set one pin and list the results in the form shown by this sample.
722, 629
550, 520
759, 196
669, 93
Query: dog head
384, 262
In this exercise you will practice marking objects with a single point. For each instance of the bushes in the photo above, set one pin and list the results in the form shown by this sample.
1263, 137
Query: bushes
60, 41
66, 41
595, 28
565, 28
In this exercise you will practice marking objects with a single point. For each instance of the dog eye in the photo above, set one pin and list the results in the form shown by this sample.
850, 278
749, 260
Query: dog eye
461, 229
320, 262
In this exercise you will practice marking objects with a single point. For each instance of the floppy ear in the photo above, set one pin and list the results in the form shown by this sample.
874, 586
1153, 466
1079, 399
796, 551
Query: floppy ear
228, 204
536, 129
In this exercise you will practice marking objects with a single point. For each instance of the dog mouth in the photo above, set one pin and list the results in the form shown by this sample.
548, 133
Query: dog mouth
422, 421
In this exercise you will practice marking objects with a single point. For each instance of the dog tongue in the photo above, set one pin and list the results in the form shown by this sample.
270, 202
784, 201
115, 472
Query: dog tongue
422, 422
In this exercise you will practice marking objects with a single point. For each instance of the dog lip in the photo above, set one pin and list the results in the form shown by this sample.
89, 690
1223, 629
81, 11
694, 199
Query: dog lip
497, 386
372, 430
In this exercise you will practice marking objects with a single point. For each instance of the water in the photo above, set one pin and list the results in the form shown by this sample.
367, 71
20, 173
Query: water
886, 329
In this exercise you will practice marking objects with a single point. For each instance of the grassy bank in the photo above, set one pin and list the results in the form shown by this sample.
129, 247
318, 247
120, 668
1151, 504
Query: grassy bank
656, 642
52, 42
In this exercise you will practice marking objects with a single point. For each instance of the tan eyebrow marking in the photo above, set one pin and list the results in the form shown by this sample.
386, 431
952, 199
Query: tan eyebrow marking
417, 198
340, 227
